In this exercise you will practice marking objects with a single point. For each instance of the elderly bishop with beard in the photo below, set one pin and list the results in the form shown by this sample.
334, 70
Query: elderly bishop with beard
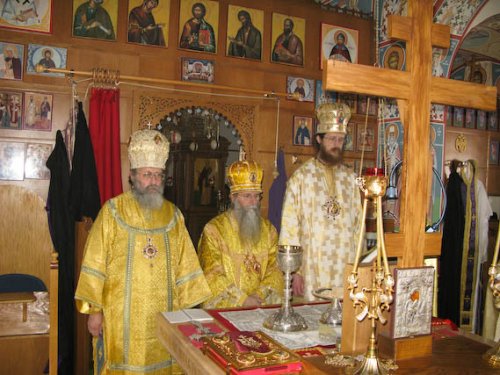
238, 248
139, 260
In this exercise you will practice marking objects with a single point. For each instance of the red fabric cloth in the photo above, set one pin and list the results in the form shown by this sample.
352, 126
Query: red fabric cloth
443, 328
104, 127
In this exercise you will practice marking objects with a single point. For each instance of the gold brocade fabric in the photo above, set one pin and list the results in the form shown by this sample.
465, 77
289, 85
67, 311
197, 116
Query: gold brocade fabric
470, 251
235, 271
130, 286
321, 213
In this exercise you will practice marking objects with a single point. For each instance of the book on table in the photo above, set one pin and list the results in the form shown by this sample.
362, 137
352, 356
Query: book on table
250, 353
187, 315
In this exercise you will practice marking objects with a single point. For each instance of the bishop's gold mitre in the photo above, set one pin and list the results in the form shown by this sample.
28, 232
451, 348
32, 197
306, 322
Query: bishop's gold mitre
333, 118
148, 148
245, 176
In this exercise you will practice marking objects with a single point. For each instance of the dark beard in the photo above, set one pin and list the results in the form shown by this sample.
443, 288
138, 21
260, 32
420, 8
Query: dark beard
328, 158
249, 222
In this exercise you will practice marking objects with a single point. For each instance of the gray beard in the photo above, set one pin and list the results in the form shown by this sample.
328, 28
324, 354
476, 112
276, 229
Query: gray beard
152, 200
249, 221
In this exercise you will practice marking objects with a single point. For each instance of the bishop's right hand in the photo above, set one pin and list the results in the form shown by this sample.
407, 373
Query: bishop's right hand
297, 285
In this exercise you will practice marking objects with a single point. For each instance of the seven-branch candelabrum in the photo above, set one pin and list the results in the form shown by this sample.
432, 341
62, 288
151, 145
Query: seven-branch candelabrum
373, 188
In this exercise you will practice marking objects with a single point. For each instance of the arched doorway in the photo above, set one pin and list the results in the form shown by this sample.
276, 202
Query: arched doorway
203, 143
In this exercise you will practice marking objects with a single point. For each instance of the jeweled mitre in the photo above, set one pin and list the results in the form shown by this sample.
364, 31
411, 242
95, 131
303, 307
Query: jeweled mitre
245, 176
148, 148
332, 117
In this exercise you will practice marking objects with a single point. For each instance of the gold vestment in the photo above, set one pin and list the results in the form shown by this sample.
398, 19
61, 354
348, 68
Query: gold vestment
137, 263
235, 270
321, 213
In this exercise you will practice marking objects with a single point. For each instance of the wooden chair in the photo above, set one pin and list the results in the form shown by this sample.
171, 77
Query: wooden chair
26, 248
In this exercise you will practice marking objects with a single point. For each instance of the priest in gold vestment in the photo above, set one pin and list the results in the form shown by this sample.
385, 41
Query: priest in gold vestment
237, 249
139, 260
322, 208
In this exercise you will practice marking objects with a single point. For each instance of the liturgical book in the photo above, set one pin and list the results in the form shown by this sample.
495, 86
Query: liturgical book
250, 353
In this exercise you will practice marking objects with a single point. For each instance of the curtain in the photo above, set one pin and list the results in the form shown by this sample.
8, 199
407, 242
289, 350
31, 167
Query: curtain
63, 238
451, 251
85, 199
104, 127
277, 192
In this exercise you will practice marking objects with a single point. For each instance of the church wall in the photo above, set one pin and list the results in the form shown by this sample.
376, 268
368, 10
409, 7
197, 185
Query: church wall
165, 63
461, 17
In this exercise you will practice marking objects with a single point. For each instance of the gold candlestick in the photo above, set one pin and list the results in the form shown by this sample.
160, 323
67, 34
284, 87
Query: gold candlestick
381, 289
493, 355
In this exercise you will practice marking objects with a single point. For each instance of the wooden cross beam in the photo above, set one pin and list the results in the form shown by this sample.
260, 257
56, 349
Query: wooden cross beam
415, 89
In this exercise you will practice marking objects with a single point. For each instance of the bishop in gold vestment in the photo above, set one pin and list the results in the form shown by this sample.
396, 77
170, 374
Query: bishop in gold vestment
138, 261
238, 248
322, 208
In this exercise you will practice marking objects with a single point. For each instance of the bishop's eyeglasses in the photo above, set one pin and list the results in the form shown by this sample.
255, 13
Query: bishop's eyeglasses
152, 176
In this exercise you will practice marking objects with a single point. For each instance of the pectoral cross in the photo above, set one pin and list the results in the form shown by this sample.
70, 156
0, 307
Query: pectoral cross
414, 89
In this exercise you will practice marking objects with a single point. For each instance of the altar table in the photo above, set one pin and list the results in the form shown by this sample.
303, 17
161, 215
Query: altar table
461, 354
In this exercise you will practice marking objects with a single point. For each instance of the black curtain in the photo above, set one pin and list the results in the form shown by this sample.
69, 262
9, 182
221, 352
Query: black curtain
63, 237
450, 263
85, 199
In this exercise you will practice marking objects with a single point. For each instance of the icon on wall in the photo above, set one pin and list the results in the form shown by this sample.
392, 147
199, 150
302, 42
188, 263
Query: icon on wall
196, 70
36, 157
96, 20
12, 160
148, 22
11, 61
37, 111
45, 57
301, 89
288, 39
303, 131
244, 32
338, 43
11, 105
27, 15
198, 25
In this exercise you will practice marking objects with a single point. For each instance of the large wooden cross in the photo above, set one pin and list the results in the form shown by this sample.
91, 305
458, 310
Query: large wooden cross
415, 89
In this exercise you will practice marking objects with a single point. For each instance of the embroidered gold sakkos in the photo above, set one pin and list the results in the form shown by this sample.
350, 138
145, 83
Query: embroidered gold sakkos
131, 285
235, 270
